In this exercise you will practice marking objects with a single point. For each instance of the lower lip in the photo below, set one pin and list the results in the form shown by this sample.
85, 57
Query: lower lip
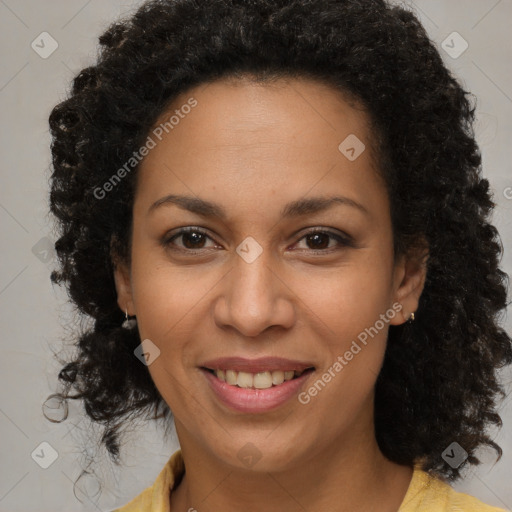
255, 400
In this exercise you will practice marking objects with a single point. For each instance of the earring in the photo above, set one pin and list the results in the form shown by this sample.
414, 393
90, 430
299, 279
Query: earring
129, 323
411, 318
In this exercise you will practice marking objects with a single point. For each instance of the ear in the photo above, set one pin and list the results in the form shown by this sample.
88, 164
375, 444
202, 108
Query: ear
123, 287
410, 274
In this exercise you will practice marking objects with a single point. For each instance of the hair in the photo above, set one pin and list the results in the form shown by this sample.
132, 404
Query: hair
439, 381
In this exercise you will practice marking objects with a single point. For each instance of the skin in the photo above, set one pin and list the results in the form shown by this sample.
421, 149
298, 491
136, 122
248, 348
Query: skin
252, 148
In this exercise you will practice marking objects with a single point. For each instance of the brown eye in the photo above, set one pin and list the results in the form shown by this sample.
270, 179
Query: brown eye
192, 239
319, 240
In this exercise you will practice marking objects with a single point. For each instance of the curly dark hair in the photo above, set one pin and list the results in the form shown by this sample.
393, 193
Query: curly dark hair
439, 381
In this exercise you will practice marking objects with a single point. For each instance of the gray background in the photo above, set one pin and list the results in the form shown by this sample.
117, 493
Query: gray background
31, 310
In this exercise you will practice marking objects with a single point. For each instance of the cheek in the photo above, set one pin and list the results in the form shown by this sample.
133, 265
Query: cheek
354, 309
355, 317
167, 296
169, 306
352, 297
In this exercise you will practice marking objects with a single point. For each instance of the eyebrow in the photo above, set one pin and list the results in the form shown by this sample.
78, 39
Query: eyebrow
296, 208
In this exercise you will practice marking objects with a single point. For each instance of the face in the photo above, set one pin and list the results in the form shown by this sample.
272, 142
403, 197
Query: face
273, 273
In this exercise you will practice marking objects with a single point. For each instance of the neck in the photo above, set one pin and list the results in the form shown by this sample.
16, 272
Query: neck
342, 476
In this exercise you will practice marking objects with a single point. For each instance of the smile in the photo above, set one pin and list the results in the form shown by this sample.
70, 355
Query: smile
259, 380
255, 385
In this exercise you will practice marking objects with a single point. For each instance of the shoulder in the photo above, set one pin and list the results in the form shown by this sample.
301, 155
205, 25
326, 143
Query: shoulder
427, 493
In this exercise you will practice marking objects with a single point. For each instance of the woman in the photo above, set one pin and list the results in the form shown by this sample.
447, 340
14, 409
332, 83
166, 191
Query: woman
283, 202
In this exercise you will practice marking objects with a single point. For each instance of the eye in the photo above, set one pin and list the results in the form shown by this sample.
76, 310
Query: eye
193, 239
318, 240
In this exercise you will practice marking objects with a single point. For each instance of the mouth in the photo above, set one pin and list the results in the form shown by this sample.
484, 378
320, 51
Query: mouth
257, 380
255, 386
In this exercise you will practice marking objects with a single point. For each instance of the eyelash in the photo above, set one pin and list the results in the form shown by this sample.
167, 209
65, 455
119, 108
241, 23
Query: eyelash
343, 241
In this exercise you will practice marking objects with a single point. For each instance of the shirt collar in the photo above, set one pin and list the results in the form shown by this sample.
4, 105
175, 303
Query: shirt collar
170, 475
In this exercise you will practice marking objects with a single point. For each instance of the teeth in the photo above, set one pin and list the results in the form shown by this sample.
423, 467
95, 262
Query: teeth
277, 378
260, 380
244, 380
230, 377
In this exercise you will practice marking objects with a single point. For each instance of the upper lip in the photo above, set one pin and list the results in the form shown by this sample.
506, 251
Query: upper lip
262, 364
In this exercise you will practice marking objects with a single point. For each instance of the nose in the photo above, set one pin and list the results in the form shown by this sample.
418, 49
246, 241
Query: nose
254, 297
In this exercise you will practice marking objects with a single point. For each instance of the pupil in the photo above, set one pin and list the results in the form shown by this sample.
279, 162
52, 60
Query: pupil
315, 237
195, 236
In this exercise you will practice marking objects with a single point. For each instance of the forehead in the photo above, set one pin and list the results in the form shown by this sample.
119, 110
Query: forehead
292, 106
248, 140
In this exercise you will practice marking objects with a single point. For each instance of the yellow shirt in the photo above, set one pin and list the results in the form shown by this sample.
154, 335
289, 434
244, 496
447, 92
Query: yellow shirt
425, 493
